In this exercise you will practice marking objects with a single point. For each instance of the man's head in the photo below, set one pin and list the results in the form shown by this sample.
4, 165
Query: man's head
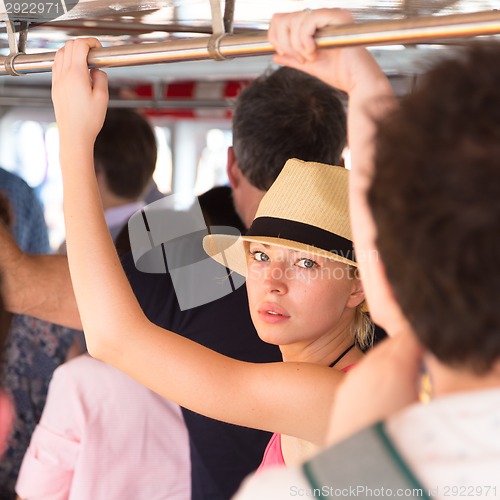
435, 199
125, 153
281, 115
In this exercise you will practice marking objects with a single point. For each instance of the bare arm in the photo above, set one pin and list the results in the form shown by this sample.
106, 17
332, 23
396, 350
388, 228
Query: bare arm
37, 285
266, 396
354, 71
386, 381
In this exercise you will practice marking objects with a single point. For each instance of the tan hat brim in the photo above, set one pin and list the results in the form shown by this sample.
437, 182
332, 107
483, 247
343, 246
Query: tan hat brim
230, 250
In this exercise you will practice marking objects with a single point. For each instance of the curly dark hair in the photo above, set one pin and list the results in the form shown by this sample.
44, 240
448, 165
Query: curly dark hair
286, 114
435, 198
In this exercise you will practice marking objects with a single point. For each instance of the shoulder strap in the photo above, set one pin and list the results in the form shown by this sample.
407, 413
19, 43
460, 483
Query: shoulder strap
366, 465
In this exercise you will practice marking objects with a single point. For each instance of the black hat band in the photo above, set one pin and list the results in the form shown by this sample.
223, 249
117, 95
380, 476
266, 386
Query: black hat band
300, 232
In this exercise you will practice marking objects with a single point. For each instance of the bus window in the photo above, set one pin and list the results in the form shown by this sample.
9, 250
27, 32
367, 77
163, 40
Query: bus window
163, 171
31, 161
213, 160
51, 192
31, 150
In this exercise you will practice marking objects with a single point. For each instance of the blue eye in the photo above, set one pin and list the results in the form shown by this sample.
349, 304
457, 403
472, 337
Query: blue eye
307, 263
259, 256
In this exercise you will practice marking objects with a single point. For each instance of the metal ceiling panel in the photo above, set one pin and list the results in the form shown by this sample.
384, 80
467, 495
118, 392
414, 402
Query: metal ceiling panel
120, 23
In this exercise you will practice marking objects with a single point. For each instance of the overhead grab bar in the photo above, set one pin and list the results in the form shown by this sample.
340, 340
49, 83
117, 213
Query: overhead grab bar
415, 30
218, 31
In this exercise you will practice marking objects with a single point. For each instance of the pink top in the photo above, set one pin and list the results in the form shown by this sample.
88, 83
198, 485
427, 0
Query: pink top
104, 436
273, 456
6, 419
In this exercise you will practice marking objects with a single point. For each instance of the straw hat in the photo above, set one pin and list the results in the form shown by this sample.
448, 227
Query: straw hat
305, 209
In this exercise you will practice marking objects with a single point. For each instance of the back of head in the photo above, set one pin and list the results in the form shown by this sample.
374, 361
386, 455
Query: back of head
125, 151
282, 115
435, 198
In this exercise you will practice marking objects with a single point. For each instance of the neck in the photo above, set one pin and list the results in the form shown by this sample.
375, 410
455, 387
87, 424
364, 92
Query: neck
108, 198
446, 380
246, 198
111, 201
324, 350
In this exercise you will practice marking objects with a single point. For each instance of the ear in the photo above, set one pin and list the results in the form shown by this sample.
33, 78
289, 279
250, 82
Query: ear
233, 171
383, 306
496, 369
357, 294
101, 179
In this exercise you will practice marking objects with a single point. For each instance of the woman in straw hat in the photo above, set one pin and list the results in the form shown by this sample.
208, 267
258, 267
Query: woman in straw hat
303, 291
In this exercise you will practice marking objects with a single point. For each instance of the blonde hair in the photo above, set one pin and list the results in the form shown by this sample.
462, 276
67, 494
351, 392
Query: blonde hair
363, 329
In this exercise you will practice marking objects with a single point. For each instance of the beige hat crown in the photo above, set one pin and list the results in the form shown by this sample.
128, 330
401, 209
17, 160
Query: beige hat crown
306, 208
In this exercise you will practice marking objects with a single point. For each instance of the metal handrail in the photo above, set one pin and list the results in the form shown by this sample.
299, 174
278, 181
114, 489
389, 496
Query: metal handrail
415, 30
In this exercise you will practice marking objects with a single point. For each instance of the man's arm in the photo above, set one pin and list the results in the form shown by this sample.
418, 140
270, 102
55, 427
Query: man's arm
37, 285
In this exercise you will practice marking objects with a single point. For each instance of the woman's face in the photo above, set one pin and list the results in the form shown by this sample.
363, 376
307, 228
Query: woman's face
299, 298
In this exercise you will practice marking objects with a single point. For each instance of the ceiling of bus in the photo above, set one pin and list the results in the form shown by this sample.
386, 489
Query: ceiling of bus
117, 22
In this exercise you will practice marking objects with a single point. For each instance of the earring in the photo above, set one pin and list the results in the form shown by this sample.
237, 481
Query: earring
425, 391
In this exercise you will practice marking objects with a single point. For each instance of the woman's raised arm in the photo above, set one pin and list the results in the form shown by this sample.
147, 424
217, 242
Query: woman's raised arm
354, 71
271, 396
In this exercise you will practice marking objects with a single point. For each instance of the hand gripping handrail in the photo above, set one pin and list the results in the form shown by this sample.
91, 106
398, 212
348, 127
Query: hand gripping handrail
407, 31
